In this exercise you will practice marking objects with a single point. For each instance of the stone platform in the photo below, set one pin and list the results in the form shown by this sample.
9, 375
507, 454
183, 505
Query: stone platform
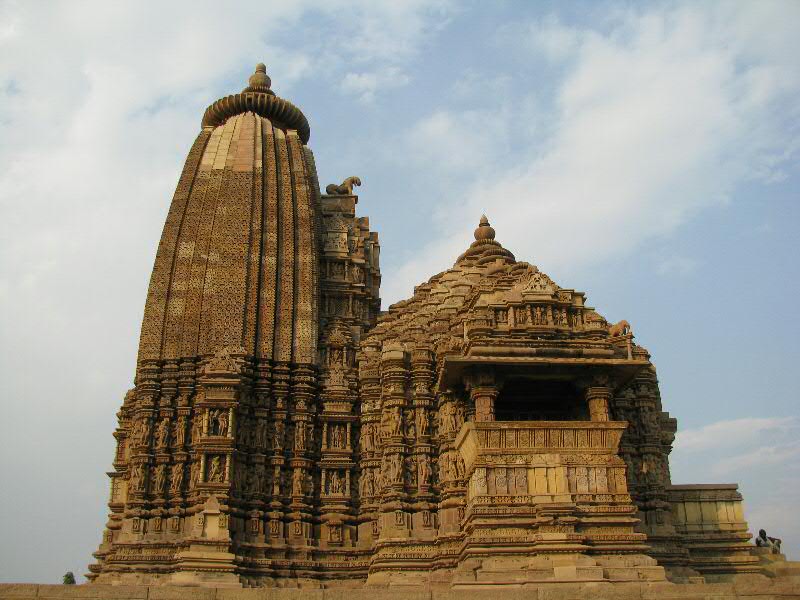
753, 587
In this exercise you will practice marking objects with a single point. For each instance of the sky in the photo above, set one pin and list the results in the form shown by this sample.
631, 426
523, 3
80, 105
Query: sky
646, 153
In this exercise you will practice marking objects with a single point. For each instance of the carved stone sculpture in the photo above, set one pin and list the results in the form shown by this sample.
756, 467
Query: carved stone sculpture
343, 189
159, 479
162, 433
215, 474
300, 436
618, 329
176, 480
297, 482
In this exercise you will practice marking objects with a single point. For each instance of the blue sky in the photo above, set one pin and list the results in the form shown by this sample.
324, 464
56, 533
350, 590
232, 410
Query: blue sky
645, 153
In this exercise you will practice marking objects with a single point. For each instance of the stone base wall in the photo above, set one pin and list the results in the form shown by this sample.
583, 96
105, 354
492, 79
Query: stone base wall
752, 587
710, 520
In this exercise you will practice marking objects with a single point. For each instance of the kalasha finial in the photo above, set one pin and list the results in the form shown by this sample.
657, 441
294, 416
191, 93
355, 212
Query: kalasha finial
259, 81
484, 230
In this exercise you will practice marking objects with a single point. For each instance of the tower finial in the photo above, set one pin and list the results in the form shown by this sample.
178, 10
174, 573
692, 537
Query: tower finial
259, 81
484, 230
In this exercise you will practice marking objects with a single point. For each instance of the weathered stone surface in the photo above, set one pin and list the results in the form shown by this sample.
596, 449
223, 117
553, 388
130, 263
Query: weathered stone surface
100, 592
18, 590
286, 439
182, 593
565, 591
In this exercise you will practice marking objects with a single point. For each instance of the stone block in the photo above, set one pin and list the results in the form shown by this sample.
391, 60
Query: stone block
684, 591
294, 594
253, 594
561, 591
18, 590
181, 593
390, 594
490, 593
92, 591
611, 591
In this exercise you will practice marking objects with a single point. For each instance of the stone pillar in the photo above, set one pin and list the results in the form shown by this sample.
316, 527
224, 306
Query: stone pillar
370, 446
598, 397
483, 393
394, 519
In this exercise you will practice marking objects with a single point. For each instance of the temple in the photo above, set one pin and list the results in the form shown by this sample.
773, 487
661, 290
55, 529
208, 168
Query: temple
492, 430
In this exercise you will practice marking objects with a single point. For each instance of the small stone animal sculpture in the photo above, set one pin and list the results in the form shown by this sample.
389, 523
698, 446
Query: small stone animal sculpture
618, 329
346, 189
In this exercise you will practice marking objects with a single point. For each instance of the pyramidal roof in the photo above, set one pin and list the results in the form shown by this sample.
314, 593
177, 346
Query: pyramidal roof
485, 279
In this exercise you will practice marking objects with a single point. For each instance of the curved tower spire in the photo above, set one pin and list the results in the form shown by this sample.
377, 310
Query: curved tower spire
235, 266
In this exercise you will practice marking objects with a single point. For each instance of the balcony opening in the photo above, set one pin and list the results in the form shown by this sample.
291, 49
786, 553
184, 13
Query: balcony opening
540, 400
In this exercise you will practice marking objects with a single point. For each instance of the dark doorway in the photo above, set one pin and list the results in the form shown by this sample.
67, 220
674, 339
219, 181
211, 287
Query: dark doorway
540, 400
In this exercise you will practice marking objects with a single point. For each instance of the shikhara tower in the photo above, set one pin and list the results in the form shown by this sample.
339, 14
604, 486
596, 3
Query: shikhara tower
491, 429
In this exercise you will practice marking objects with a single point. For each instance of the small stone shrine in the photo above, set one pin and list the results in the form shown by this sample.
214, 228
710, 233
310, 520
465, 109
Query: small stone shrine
492, 430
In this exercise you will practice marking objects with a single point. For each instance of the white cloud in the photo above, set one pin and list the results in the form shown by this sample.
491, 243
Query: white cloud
454, 142
730, 433
366, 85
550, 37
761, 457
661, 114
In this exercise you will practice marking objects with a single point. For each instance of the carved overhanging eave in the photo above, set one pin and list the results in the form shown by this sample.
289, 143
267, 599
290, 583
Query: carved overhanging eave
622, 371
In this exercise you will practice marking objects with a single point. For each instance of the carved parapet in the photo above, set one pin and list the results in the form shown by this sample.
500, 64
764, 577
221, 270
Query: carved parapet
562, 479
538, 437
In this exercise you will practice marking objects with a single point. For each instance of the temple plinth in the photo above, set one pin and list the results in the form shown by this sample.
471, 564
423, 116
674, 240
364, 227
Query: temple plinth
546, 489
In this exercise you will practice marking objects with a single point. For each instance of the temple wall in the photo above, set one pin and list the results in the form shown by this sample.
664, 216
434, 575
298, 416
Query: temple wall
710, 520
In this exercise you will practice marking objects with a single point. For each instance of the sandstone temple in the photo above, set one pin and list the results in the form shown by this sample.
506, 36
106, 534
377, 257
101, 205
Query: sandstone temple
283, 431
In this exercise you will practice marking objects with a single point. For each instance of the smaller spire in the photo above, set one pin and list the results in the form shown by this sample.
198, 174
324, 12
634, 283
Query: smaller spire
485, 248
484, 230
259, 81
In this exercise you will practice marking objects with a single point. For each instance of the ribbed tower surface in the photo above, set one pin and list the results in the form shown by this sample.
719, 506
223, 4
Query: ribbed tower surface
236, 262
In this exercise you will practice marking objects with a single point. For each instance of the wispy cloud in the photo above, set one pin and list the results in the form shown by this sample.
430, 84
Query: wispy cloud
658, 115
731, 433
761, 457
367, 85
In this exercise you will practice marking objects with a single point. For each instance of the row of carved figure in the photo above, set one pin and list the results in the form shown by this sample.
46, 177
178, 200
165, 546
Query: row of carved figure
345, 271
253, 435
395, 470
415, 425
538, 315
249, 480
165, 430
394, 422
